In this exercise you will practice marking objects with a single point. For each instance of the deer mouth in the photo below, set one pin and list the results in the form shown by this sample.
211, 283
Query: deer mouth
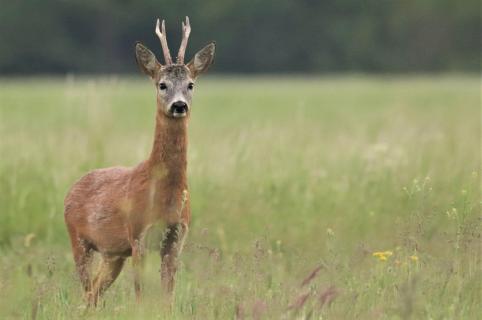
179, 114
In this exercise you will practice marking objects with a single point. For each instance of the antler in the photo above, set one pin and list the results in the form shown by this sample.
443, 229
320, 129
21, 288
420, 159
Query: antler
186, 30
162, 37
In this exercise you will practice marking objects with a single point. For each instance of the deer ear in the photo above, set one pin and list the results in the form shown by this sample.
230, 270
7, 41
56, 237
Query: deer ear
202, 60
146, 60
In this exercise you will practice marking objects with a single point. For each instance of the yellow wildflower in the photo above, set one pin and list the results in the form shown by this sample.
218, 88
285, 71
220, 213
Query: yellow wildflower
382, 255
414, 258
27, 241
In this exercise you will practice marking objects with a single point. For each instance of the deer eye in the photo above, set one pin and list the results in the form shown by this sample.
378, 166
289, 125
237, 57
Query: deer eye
162, 86
190, 86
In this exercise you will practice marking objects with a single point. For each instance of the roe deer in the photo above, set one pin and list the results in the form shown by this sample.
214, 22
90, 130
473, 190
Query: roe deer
110, 210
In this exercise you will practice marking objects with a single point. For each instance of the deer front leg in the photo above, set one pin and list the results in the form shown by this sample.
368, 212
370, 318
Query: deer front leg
170, 250
137, 261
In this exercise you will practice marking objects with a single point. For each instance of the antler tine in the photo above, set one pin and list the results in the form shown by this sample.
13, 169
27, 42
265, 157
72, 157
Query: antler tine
162, 37
186, 31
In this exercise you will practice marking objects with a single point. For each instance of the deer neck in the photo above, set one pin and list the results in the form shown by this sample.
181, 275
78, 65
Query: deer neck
168, 159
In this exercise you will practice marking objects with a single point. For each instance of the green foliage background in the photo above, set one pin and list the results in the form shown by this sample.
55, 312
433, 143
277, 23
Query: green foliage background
263, 36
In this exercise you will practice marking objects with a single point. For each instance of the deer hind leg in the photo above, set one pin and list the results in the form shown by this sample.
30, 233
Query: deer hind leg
170, 250
83, 259
109, 269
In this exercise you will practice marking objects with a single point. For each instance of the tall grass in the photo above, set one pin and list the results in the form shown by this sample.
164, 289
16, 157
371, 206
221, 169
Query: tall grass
295, 184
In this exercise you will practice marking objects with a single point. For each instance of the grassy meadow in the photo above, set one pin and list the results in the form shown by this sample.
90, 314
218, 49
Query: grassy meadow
339, 197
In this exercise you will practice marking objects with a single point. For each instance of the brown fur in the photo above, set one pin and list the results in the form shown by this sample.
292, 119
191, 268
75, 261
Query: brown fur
110, 210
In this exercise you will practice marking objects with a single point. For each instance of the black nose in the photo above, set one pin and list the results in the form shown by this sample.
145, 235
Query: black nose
179, 107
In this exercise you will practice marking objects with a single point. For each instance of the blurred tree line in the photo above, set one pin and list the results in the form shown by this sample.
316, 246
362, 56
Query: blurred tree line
266, 36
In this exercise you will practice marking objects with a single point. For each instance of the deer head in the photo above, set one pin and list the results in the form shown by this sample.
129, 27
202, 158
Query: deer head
174, 81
